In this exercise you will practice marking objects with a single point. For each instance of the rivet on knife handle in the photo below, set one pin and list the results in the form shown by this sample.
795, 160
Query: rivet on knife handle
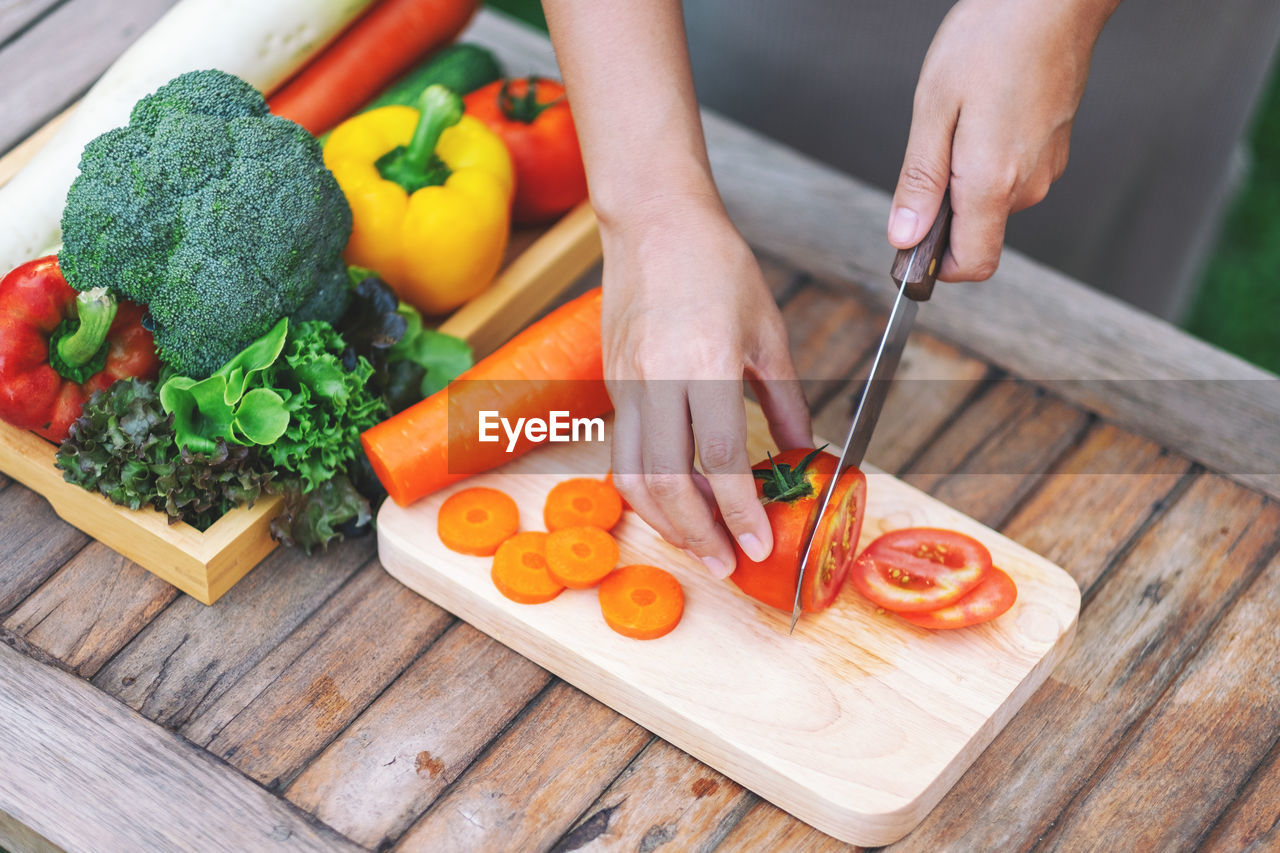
917, 269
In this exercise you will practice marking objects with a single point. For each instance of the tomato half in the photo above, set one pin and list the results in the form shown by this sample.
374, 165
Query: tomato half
791, 485
920, 568
989, 599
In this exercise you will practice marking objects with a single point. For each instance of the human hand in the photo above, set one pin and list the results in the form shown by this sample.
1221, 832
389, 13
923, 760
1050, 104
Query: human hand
686, 316
992, 118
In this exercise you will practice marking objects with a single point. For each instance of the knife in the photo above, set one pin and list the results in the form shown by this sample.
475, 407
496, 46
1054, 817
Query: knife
914, 272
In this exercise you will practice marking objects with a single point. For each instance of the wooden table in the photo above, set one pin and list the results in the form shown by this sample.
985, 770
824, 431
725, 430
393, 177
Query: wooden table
321, 705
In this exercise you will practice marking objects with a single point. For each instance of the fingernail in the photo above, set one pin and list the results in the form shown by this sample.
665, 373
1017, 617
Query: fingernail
902, 225
752, 547
717, 568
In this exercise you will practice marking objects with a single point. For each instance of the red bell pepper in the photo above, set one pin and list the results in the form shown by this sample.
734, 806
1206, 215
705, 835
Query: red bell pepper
533, 118
58, 346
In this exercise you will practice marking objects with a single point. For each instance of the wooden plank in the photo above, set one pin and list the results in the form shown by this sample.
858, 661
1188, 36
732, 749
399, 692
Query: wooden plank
63, 54
529, 786
88, 610
1097, 497
1252, 822
418, 738
87, 773
1029, 320
663, 797
933, 383
1203, 741
376, 629
875, 763
1153, 611
35, 544
16, 14
994, 454
218, 711
829, 333
767, 827
189, 655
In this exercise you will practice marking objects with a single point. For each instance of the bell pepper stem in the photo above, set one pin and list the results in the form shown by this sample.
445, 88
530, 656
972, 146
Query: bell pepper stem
416, 165
439, 110
96, 311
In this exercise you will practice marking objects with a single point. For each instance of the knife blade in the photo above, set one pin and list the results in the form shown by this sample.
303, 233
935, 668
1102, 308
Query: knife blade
914, 272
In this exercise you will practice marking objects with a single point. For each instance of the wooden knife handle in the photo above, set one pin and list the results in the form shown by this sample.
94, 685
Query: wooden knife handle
918, 275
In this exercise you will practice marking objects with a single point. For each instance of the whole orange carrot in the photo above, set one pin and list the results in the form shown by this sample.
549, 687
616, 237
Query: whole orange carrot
552, 366
381, 45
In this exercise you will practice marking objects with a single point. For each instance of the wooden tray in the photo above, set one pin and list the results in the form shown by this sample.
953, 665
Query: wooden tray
540, 265
857, 724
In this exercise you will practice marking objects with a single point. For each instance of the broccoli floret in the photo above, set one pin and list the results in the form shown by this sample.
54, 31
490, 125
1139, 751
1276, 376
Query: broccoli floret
218, 216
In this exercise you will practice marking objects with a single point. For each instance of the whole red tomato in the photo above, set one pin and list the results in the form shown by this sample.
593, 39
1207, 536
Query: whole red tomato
533, 119
791, 486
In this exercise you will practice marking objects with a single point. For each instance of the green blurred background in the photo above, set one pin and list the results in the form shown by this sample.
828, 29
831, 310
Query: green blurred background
1237, 305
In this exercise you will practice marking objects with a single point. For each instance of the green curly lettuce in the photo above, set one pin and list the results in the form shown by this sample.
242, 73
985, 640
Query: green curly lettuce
286, 411
123, 446
329, 404
297, 392
333, 511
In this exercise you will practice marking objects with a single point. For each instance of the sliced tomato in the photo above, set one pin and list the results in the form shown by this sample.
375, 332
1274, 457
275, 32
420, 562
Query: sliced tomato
989, 599
920, 568
835, 544
791, 485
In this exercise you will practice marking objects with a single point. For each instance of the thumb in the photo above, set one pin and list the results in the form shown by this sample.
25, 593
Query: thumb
926, 172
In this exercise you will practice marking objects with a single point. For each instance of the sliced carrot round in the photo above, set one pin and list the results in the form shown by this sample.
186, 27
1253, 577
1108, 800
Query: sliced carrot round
580, 557
582, 502
477, 520
643, 602
520, 569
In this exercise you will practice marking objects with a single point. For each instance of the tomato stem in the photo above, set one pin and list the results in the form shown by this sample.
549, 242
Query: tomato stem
784, 484
524, 108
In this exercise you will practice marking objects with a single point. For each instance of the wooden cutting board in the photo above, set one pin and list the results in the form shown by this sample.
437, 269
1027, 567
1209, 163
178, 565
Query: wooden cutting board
858, 723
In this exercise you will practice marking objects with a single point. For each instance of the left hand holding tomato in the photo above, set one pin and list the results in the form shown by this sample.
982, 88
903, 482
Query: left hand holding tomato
674, 366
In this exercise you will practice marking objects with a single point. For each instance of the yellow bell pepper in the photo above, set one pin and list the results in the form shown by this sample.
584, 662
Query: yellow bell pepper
430, 194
